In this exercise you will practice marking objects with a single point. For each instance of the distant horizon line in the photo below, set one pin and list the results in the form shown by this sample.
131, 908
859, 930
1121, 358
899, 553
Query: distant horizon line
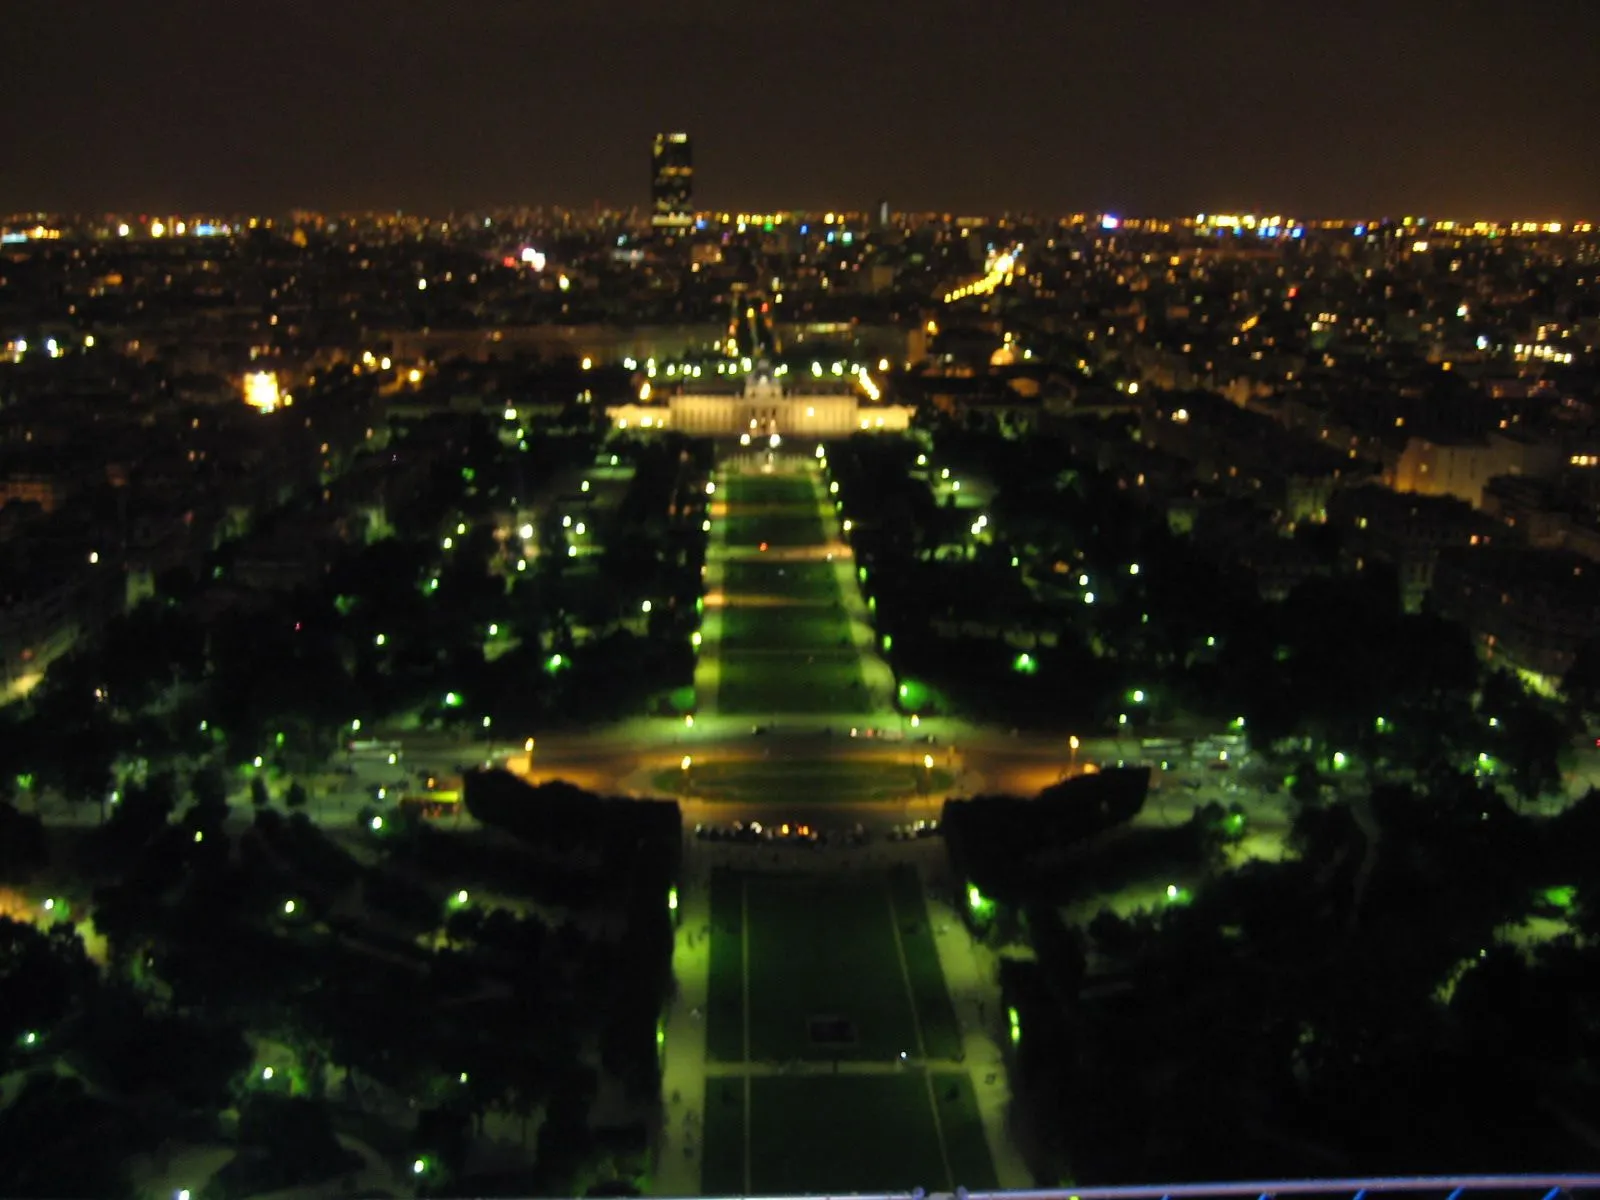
641, 211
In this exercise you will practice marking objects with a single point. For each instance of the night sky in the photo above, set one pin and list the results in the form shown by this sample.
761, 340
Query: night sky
1343, 107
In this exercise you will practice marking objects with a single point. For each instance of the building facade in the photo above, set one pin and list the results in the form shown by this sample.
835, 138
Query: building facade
761, 409
672, 182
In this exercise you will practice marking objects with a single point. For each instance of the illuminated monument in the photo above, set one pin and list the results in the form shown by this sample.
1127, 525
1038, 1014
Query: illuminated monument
740, 389
762, 403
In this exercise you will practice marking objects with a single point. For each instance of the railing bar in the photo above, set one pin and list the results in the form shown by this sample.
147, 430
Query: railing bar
1450, 1184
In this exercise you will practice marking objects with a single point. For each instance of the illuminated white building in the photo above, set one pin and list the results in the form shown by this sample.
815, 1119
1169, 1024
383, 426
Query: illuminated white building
762, 408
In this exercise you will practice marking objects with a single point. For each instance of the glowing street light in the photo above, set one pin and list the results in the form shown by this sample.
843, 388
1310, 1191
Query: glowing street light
686, 762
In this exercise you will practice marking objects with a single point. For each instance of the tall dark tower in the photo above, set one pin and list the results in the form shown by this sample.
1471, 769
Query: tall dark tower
672, 182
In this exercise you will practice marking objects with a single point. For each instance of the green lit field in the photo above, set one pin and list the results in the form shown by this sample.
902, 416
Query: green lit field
778, 528
799, 628
797, 582
857, 949
762, 683
780, 510
768, 490
856, 952
835, 1134
785, 783
785, 644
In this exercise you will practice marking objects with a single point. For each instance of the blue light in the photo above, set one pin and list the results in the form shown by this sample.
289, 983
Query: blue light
1483, 342
1299, 231
804, 229
830, 237
1110, 222
9, 239
205, 231
1361, 231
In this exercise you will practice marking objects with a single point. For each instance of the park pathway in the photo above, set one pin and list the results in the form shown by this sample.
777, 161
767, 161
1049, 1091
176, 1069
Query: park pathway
683, 1071
739, 505
809, 642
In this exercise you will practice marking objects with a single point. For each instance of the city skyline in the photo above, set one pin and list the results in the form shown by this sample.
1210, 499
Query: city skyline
1151, 108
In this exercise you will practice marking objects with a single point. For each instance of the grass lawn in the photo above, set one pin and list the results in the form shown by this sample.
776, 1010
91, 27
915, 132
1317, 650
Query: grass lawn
778, 510
807, 581
787, 528
968, 1150
799, 628
822, 948
841, 1133
757, 684
796, 490
941, 1032
725, 991
722, 1146
781, 782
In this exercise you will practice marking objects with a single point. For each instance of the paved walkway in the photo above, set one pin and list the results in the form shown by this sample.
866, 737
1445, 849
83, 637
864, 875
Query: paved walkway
683, 1075
972, 977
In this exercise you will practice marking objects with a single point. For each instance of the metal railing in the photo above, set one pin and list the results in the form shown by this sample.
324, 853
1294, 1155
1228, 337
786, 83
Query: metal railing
1443, 1187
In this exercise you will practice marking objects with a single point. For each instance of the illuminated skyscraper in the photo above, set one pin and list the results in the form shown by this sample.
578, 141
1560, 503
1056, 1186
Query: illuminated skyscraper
672, 182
